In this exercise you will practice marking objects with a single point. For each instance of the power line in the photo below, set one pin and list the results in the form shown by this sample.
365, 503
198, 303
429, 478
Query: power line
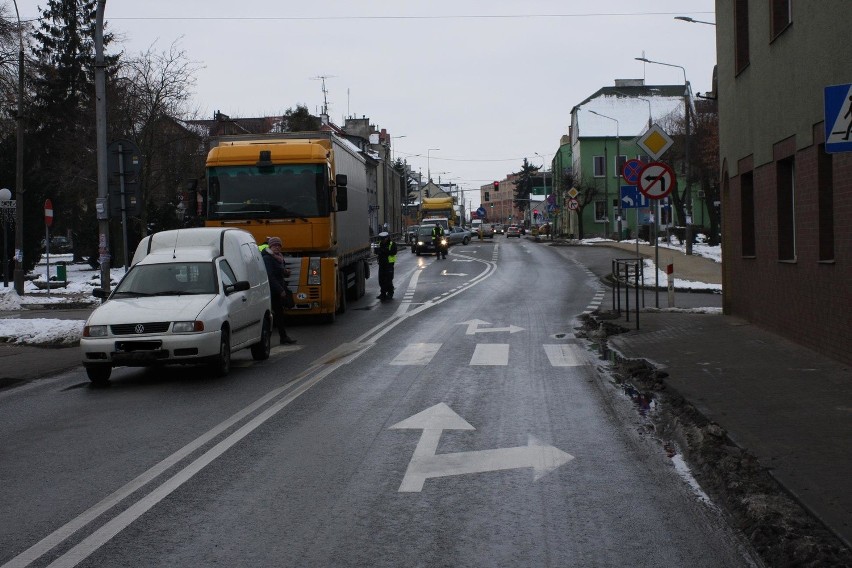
428, 17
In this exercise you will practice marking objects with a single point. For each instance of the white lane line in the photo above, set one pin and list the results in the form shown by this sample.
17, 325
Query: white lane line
416, 354
491, 354
121, 521
564, 355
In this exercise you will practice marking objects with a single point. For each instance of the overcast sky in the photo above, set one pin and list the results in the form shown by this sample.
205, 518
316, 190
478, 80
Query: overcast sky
486, 83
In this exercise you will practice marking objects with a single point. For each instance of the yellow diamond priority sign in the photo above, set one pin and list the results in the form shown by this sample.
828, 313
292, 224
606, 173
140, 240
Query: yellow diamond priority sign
573, 192
655, 141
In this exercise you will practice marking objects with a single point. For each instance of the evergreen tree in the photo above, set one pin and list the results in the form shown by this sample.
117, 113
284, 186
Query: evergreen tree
524, 185
61, 131
300, 120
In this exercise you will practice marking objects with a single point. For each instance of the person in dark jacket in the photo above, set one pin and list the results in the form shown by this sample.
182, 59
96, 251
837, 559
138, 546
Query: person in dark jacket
277, 271
386, 252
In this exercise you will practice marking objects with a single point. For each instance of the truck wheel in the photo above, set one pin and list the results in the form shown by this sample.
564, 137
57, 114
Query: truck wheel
221, 365
99, 373
260, 350
341, 293
361, 279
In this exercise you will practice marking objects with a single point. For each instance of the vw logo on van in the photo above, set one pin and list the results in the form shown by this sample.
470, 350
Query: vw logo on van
139, 328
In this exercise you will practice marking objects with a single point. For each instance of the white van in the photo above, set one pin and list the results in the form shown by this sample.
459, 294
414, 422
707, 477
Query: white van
191, 296
481, 229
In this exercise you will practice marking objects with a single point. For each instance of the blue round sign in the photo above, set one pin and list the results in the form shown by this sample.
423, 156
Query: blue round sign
631, 170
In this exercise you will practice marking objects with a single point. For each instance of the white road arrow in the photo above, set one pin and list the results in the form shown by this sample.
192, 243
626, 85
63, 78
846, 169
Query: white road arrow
425, 463
445, 273
473, 327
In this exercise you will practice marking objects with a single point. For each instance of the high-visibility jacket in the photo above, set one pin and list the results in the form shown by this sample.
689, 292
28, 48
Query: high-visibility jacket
387, 251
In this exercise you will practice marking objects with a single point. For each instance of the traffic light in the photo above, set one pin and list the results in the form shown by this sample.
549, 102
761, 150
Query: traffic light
496, 186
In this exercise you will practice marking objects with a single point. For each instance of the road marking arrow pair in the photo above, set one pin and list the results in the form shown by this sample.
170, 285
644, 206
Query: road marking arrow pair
425, 463
473, 327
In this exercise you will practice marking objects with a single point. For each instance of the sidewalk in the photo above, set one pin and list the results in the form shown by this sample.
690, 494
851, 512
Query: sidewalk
788, 406
687, 267
20, 363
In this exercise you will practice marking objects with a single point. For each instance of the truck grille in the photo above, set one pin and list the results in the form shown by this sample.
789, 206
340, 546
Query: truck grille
139, 328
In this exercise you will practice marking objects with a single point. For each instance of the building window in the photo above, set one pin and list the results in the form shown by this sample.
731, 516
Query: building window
619, 165
747, 213
600, 166
786, 197
741, 30
825, 189
600, 211
782, 16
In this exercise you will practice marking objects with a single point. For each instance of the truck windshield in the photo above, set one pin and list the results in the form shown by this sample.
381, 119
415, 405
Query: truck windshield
263, 192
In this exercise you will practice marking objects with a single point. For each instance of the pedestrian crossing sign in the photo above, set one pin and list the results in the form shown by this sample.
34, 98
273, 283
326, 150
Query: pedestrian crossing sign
838, 118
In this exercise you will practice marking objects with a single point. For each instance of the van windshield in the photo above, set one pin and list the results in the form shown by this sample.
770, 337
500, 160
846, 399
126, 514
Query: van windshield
172, 279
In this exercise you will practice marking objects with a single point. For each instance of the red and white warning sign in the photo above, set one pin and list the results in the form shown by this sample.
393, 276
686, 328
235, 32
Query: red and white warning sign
48, 212
656, 180
573, 204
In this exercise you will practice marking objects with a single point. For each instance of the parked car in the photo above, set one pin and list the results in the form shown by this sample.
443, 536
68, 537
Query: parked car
59, 245
424, 243
411, 233
458, 235
513, 231
191, 296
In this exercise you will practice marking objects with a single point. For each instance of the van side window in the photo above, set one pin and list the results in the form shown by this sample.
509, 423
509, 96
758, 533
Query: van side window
228, 277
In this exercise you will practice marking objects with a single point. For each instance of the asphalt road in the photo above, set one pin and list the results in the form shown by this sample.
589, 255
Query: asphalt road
460, 424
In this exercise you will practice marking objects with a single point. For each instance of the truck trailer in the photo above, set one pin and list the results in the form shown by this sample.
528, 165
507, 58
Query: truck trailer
309, 189
438, 207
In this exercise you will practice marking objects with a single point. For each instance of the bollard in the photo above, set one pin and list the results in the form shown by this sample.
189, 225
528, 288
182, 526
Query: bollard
670, 277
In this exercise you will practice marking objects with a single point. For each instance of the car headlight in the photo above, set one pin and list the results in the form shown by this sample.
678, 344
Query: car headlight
187, 326
95, 331
420, 243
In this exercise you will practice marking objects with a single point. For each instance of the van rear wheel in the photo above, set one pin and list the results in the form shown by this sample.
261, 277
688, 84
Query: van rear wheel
260, 350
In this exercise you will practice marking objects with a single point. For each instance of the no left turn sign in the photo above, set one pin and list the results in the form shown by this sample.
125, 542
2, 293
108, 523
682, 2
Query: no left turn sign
656, 180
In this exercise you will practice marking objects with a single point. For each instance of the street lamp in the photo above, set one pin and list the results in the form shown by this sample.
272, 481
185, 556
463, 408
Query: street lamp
7, 210
19, 168
687, 167
428, 169
606, 176
693, 21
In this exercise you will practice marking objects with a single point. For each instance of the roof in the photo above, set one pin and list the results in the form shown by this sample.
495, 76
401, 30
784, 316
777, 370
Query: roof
630, 106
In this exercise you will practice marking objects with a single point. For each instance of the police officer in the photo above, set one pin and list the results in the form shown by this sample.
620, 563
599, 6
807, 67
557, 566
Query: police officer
386, 253
437, 235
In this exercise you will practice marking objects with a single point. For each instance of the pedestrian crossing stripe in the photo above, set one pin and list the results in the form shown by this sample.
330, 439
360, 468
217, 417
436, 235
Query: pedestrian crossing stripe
492, 354
417, 354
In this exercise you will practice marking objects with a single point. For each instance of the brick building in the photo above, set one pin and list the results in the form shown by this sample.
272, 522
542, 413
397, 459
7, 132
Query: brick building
786, 200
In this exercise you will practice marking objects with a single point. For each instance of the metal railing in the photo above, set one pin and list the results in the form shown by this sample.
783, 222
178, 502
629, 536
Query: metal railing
621, 269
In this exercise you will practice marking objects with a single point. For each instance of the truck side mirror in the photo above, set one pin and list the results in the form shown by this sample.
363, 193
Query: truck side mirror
342, 197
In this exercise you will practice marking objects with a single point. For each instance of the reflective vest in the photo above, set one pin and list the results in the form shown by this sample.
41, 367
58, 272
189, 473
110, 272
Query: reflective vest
391, 252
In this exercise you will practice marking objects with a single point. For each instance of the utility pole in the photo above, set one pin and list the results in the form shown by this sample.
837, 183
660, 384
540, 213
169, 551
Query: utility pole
102, 206
18, 273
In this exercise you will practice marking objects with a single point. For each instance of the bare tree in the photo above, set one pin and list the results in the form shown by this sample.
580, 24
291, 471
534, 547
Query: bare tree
155, 88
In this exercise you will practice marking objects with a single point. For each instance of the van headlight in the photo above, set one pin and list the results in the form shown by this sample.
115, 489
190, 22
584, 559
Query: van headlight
187, 326
95, 331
